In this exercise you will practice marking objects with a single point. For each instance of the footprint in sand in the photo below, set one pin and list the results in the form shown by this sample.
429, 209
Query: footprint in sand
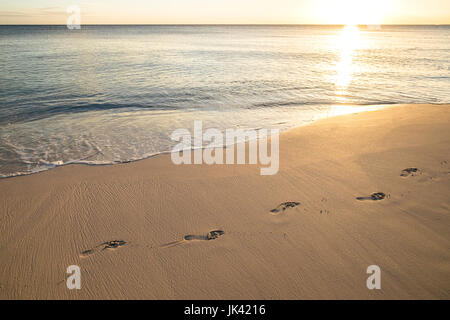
430, 176
284, 206
445, 165
374, 197
114, 244
410, 172
192, 237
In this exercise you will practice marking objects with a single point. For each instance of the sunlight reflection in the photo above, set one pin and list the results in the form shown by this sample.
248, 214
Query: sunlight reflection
348, 41
339, 110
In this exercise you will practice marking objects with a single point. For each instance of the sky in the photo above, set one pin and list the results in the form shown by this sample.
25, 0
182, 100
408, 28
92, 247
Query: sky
228, 11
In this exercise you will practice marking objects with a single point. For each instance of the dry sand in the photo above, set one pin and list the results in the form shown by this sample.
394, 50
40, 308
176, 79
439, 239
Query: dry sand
318, 249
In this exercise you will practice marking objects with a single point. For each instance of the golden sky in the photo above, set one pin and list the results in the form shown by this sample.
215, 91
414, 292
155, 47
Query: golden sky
228, 11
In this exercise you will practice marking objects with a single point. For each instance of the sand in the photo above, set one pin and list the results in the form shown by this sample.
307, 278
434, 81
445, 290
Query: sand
318, 248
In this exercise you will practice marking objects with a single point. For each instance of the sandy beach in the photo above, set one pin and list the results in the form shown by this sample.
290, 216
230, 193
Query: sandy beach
319, 247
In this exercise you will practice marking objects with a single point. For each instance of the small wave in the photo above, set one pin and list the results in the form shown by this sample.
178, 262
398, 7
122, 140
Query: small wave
43, 113
44, 165
322, 103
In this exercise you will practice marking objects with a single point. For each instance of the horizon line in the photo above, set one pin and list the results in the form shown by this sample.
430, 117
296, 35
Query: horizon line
231, 24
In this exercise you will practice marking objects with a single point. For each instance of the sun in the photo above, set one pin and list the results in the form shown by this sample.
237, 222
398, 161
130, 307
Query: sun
351, 12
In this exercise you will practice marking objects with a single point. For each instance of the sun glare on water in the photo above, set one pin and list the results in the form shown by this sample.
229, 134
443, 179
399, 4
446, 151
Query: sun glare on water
348, 41
350, 13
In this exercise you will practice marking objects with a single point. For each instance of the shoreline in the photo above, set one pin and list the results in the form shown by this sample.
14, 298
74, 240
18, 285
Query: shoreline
149, 229
163, 153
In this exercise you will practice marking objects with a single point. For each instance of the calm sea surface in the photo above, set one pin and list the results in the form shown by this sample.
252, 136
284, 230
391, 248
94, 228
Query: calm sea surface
107, 94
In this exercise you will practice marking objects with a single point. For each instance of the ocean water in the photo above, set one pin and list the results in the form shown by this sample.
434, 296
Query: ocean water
108, 94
